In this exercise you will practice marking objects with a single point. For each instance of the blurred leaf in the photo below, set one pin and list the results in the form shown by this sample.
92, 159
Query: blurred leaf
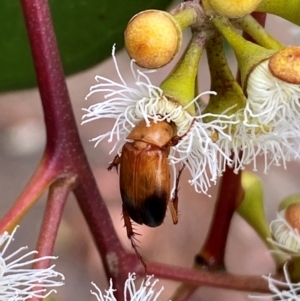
85, 29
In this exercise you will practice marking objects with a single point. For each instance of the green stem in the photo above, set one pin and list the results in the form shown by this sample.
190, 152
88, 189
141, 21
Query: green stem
258, 33
294, 269
289, 10
252, 211
185, 18
248, 54
229, 92
180, 84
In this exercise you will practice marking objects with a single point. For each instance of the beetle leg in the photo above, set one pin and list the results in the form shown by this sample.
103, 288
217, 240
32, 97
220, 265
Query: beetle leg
127, 223
131, 235
116, 161
173, 207
173, 203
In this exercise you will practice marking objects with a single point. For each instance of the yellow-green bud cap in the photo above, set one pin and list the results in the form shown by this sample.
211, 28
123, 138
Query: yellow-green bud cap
152, 38
292, 215
285, 65
234, 8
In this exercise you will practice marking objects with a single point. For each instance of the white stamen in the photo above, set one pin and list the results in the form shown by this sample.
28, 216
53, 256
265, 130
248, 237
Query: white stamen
19, 283
284, 236
130, 105
281, 290
146, 291
270, 99
252, 139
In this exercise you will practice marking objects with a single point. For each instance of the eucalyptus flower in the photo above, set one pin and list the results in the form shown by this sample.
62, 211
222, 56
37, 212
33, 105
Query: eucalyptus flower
129, 105
275, 143
146, 292
18, 281
270, 99
268, 126
284, 235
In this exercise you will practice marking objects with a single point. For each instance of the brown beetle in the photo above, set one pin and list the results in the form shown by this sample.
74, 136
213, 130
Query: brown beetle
145, 175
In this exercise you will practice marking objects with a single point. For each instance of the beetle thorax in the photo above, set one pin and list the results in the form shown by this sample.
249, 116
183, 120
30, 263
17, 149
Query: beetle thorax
158, 133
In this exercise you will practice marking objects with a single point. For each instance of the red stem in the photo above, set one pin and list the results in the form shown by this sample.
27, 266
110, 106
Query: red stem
208, 278
57, 198
230, 194
40, 181
63, 144
212, 253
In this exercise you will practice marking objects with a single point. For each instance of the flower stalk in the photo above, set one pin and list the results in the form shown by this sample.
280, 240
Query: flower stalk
294, 269
63, 148
229, 97
258, 33
248, 54
179, 86
38, 184
185, 18
230, 196
251, 210
58, 194
280, 8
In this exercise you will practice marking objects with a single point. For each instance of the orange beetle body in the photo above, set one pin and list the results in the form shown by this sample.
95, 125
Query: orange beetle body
145, 175
145, 180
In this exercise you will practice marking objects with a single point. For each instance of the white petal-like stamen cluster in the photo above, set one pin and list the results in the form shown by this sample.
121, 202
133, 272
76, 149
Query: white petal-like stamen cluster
250, 142
130, 105
18, 281
275, 104
269, 126
284, 236
146, 291
270, 99
199, 153
282, 290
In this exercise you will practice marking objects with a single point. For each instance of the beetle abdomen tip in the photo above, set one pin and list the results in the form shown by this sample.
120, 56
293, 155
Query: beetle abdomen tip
150, 212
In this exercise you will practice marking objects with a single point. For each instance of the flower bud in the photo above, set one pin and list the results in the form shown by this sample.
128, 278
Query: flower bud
152, 38
252, 206
234, 8
248, 54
